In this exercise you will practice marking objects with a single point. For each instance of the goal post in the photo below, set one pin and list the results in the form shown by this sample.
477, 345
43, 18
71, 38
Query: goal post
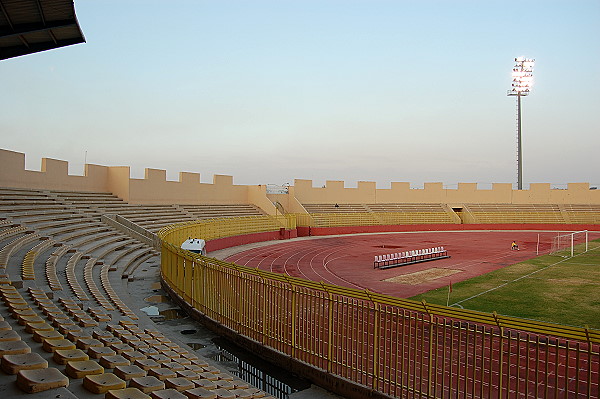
566, 244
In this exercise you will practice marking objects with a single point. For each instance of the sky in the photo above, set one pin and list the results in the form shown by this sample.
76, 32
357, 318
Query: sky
354, 90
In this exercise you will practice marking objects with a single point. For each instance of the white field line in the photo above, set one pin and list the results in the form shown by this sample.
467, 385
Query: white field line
520, 278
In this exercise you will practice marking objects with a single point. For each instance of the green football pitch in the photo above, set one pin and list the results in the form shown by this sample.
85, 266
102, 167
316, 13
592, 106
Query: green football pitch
554, 288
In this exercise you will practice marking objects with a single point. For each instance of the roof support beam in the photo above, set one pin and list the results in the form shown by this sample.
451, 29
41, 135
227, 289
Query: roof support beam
43, 18
21, 29
41, 11
21, 38
5, 14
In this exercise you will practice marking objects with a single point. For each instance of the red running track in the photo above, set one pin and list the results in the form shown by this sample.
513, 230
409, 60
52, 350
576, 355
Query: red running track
348, 260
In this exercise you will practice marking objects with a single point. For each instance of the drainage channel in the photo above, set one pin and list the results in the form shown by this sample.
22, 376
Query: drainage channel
245, 365
261, 374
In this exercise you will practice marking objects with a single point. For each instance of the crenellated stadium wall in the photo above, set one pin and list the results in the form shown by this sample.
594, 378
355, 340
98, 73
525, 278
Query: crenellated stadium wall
154, 188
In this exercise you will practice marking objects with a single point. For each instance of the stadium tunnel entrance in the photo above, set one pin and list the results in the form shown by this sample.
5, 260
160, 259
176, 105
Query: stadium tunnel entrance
458, 210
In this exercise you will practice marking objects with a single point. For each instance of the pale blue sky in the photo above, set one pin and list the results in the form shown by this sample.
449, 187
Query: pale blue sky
269, 91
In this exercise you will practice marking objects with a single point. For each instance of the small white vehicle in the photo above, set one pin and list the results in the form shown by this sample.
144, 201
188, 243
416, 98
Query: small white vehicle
195, 245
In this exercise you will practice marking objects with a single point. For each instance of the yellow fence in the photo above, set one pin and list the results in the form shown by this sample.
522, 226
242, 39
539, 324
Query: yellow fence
210, 229
394, 346
518, 217
584, 217
371, 218
339, 219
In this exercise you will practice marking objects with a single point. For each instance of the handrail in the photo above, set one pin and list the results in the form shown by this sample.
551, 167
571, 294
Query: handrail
132, 229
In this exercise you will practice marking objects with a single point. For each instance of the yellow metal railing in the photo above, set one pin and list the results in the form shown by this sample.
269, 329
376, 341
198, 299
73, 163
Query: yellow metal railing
371, 218
339, 219
395, 346
584, 217
517, 217
210, 229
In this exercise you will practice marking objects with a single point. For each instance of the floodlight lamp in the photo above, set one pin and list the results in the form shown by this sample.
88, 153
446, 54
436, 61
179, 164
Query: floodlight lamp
522, 76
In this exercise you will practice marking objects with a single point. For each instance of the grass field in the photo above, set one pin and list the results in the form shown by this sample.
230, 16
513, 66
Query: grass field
550, 288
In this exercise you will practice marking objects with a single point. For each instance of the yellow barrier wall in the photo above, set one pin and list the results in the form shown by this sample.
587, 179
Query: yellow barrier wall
389, 345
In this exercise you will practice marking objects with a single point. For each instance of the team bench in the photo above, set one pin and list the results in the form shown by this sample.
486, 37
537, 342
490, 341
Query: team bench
409, 257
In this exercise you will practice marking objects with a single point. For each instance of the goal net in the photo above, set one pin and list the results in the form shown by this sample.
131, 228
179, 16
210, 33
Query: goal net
570, 244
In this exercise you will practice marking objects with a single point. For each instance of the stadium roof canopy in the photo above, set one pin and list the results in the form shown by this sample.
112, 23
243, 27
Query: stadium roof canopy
31, 26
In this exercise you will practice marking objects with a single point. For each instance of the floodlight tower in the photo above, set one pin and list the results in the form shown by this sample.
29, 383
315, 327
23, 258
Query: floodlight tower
522, 80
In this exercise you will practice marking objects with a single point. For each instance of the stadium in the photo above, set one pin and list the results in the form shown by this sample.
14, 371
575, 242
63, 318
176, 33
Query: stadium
361, 292
74, 246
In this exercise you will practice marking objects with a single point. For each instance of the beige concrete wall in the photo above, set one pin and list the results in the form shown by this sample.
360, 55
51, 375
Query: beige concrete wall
288, 201
155, 189
257, 195
152, 189
118, 181
53, 174
366, 192
334, 192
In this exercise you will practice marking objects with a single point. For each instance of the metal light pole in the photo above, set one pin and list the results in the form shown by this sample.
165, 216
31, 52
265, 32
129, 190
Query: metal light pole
522, 80
519, 145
